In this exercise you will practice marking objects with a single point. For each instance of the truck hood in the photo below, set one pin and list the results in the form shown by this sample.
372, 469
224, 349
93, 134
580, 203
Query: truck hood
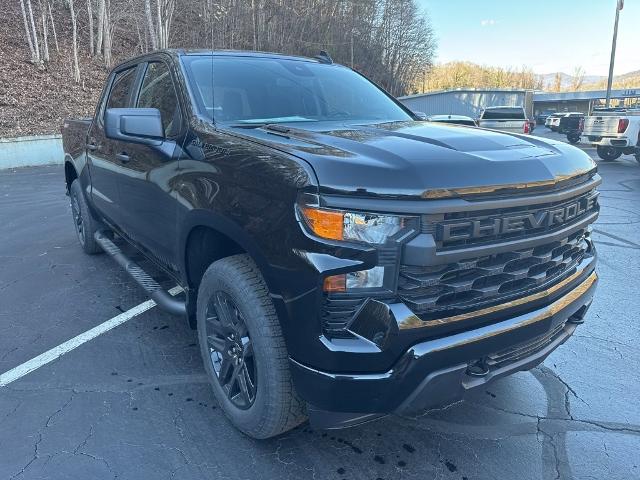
423, 159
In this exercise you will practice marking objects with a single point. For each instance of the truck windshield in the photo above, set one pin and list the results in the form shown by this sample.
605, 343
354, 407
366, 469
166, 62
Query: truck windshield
254, 90
516, 113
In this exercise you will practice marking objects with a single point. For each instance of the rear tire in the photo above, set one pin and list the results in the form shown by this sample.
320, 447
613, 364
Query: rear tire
573, 138
243, 350
607, 153
85, 224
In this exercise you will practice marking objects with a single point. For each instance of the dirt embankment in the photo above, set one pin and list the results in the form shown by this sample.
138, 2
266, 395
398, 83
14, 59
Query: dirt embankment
35, 99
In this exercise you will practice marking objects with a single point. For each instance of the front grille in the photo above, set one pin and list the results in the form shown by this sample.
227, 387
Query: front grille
464, 221
434, 291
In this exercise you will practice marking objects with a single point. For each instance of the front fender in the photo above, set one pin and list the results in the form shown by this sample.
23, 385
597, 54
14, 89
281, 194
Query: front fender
205, 218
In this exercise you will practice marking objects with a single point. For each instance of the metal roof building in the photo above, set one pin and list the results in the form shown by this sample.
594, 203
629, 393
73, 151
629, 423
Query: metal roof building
584, 101
471, 101
467, 102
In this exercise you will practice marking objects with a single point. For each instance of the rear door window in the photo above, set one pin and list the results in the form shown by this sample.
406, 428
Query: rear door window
503, 114
121, 88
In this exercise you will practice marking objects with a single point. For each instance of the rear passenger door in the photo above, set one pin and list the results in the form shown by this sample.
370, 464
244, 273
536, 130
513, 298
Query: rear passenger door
147, 192
105, 169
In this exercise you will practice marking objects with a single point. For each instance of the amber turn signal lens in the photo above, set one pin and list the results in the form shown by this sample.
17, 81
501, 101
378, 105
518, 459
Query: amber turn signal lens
335, 283
324, 223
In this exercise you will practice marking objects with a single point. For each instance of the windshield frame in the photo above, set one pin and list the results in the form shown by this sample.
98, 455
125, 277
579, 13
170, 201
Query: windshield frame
200, 111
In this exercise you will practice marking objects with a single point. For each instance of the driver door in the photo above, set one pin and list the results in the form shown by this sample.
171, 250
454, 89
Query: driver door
147, 192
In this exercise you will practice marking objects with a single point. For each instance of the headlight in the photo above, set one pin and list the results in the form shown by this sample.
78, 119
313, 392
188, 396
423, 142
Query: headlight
363, 227
352, 226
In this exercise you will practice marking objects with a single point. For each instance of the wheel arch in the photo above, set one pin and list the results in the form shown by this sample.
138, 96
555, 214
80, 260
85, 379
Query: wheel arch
205, 238
70, 172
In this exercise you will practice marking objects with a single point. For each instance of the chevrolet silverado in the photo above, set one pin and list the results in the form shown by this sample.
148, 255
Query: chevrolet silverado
340, 259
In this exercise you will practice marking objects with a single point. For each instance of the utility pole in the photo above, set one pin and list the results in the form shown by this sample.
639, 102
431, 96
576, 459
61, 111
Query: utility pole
619, 6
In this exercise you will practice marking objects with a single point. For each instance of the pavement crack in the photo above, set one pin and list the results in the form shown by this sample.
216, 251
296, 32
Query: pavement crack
33, 459
57, 412
99, 459
633, 429
605, 340
549, 441
83, 443
35, 447
568, 390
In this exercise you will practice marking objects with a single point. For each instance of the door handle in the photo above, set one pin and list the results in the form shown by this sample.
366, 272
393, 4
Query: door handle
91, 146
123, 157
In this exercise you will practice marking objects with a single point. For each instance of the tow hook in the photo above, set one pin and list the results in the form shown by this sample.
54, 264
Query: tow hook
477, 369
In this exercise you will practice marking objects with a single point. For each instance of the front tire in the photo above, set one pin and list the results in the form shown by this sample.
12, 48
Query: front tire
243, 350
85, 224
608, 153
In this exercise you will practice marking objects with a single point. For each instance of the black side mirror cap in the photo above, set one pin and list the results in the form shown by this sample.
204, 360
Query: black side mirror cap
420, 116
136, 125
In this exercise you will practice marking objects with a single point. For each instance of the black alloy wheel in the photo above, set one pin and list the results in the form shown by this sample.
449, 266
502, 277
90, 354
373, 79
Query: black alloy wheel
84, 223
231, 350
243, 349
77, 220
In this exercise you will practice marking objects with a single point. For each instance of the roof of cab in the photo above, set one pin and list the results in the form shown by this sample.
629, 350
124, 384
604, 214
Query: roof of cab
239, 53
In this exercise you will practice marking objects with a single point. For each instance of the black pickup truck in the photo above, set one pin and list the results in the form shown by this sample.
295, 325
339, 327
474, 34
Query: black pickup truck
340, 259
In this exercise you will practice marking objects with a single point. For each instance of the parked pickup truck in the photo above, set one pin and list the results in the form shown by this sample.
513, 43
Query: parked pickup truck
507, 119
340, 259
614, 132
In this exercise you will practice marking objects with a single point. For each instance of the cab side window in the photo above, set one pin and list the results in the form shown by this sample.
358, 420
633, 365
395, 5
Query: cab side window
157, 91
121, 88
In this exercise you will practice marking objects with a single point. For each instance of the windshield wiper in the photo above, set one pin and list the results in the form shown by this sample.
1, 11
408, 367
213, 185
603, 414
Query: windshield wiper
267, 126
248, 125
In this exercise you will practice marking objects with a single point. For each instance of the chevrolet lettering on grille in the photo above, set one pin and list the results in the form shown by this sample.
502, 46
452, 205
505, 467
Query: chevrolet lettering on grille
543, 218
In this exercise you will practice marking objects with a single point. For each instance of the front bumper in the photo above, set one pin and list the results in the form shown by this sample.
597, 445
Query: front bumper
438, 372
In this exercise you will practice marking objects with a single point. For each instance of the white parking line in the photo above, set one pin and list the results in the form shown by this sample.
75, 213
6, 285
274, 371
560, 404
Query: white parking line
56, 352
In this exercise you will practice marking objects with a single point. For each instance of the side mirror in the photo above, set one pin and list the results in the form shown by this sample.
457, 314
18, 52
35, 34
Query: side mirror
136, 125
421, 115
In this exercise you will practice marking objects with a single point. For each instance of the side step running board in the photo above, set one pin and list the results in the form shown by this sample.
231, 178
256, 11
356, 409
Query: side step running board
154, 290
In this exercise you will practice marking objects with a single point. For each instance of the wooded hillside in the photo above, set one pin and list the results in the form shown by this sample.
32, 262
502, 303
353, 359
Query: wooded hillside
55, 54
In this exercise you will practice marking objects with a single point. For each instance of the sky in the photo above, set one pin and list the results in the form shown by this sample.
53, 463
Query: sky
546, 35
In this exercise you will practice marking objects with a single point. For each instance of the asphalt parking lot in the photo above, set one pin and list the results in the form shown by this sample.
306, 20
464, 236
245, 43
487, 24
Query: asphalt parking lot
134, 403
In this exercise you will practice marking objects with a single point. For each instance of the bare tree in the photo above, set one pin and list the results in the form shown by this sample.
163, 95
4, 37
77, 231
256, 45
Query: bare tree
31, 31
390, 41
466, 74
165, 9
53, 27
90, 17
556, 86
100, 33
35, 32
28, 33
74, 26
578, 78
45, 32
107, 34
153, 37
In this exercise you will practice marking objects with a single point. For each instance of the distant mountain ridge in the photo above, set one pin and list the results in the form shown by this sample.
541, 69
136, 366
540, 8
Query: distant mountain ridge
591, 81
